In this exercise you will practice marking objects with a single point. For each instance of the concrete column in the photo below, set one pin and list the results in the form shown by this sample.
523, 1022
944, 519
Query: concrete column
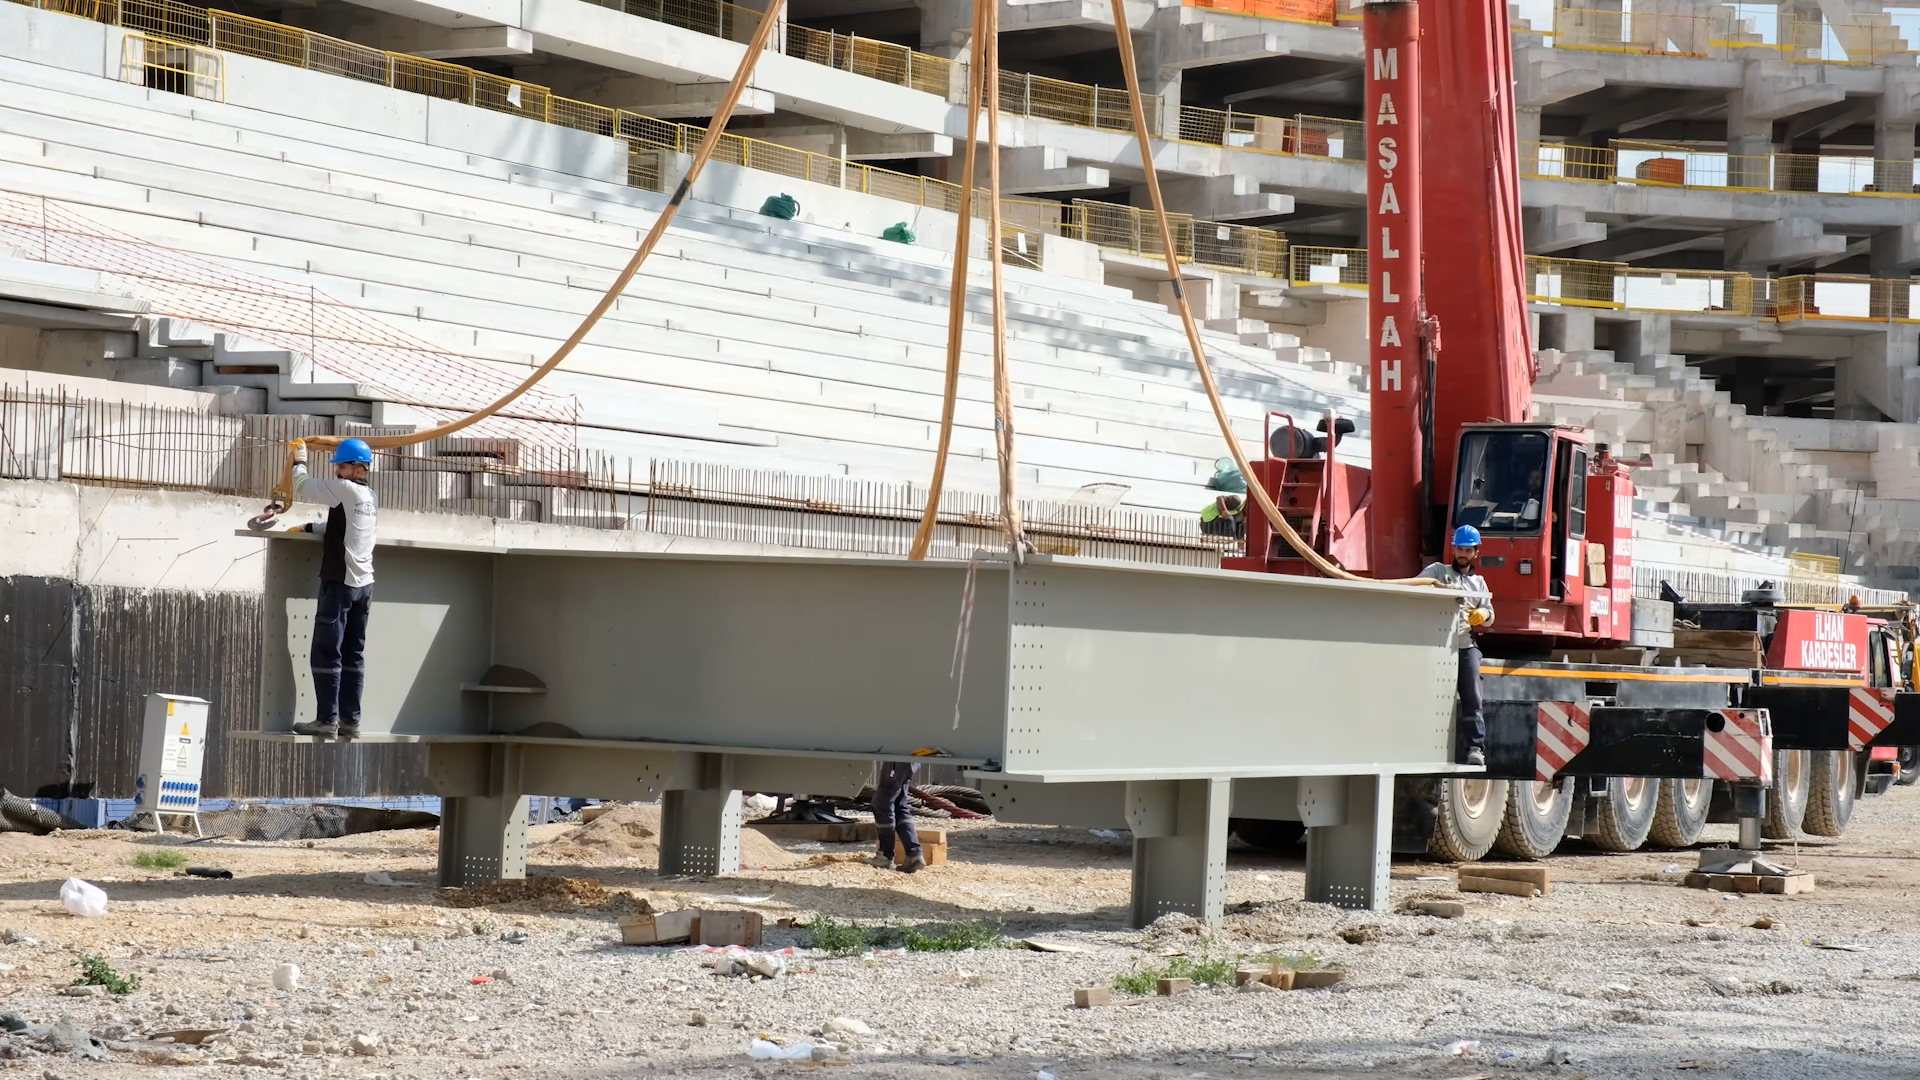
1749, 143
1892, 154
945, 27
1526, 132
1154, 47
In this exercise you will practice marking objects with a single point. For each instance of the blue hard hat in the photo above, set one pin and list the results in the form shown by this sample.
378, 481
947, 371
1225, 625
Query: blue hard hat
353, 451
1464, 536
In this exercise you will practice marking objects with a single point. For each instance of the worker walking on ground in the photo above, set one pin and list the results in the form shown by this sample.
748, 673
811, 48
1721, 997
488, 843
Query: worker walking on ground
1476, 610
892, 814
346, 585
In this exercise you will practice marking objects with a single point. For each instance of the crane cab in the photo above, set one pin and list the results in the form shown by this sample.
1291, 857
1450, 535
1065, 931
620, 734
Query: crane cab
1555, 516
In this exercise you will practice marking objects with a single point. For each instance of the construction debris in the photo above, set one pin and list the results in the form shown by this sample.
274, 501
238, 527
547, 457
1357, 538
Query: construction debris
1470, 883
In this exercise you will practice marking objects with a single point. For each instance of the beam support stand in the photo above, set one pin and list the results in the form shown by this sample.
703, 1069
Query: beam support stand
1347, 863
1179, 847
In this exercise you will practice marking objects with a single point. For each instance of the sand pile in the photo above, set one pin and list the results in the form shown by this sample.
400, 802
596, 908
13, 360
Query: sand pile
549, 894
632, 832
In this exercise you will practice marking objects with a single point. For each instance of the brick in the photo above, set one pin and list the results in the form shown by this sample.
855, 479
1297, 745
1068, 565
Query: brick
1092, 996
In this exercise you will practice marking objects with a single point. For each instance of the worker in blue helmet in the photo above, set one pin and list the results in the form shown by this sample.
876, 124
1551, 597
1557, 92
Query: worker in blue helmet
1476, 612
346, 584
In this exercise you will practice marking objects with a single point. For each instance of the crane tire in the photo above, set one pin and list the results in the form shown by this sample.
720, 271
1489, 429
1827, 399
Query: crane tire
1470, 813
1830, 793
1681, 815
1535, 819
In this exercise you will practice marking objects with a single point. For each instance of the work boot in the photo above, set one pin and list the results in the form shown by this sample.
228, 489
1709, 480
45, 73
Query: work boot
325, 729
881, 862
1476, 756
911, 864
349, 729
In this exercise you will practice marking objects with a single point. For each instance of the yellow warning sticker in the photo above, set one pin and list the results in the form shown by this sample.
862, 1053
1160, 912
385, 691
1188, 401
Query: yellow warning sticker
183, 728
169, 706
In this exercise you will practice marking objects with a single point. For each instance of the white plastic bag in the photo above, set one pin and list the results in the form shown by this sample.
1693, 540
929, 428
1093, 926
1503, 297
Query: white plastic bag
83, 899
286, 978
763, 1050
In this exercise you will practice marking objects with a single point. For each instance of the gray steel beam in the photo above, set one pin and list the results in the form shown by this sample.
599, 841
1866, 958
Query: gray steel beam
688, 678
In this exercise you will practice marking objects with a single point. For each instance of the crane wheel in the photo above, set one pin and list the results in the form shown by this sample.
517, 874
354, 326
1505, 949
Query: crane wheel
1909, 773
1624, 815
1468, 819
1680, 816
1830, 793
1787, 798
1535, 819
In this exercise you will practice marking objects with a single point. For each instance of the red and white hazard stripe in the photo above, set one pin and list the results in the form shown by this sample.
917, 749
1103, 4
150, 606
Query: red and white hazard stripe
1560, 733
1869, 711
1742, 749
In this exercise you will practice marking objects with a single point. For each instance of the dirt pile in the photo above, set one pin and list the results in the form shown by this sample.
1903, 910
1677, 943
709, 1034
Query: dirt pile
632, 832
548, 894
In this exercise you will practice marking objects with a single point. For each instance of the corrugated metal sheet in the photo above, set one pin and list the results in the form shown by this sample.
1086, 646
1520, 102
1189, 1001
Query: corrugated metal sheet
73, 729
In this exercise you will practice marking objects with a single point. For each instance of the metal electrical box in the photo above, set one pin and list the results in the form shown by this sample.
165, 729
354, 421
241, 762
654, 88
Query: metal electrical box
173, 748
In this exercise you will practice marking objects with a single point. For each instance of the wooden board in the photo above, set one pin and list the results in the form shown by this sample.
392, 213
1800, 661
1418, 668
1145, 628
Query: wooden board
935, 854
1536, 876
1634, 657
660, 928
1791, 884
1716, 658
729, 928
1469, 883
1684, 638
1092, 997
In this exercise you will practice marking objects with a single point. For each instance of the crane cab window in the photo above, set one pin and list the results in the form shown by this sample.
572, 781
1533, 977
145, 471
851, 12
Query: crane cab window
1503, 481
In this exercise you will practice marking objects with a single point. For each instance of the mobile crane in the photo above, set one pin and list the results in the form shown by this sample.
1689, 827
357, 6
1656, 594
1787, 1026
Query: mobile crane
1585, 737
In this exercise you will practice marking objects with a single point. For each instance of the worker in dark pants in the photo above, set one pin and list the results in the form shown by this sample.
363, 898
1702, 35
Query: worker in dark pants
1476, 610
346, 585
893, 815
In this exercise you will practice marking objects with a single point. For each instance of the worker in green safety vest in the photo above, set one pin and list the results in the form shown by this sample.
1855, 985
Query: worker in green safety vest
1225, 516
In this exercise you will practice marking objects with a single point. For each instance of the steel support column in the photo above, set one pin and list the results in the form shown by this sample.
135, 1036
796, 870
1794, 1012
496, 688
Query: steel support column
1179, 847
483, 839
700, 832
1347, 863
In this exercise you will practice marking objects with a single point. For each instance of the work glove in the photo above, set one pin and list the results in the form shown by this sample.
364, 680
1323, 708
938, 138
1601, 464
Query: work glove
299, 451
1476, 616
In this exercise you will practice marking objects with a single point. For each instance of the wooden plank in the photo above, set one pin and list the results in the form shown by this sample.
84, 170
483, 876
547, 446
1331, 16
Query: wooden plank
660, 928
935, 854
1634, 657
1469, 883
1537, 876
1441, 909
1684, 638
1718, 658
1309, 980
1787, 886
1772, 884
1173, 987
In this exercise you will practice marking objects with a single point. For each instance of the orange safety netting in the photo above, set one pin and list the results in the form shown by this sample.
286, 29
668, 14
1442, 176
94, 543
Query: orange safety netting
1316, 11
344, 343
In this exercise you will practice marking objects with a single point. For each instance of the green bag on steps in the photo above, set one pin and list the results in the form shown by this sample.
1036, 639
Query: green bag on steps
898, 233
782, 206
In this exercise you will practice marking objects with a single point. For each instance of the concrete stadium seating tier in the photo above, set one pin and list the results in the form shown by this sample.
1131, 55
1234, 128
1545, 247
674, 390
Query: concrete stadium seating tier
746, 340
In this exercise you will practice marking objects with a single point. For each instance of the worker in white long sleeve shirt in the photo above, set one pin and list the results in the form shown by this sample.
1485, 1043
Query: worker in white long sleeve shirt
346, 585
1476, 611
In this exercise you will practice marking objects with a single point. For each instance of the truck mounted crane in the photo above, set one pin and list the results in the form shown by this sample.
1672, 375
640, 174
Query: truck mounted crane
1589, 734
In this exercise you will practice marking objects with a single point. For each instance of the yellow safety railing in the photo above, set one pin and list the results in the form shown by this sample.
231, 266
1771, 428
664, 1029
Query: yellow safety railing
1588, 283
175, 67
1565, 161
1574, 282
1657, 165
1305, 136
1101, 107
1723, 32
1245, 249
1842, 297
1327, 266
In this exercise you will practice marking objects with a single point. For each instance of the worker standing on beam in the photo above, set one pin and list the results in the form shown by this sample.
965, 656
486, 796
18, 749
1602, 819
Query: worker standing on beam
346, 585
1476, 610
893, 814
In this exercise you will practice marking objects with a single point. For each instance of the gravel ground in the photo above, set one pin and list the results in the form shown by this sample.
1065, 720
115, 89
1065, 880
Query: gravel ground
1620, 973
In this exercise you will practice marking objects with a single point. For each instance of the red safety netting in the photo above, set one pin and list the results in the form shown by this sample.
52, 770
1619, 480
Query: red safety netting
344, 343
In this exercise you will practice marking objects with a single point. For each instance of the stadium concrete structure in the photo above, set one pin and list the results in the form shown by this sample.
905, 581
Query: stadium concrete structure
1722, 221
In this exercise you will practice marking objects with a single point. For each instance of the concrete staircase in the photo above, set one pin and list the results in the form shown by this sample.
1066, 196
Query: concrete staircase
1758, 488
